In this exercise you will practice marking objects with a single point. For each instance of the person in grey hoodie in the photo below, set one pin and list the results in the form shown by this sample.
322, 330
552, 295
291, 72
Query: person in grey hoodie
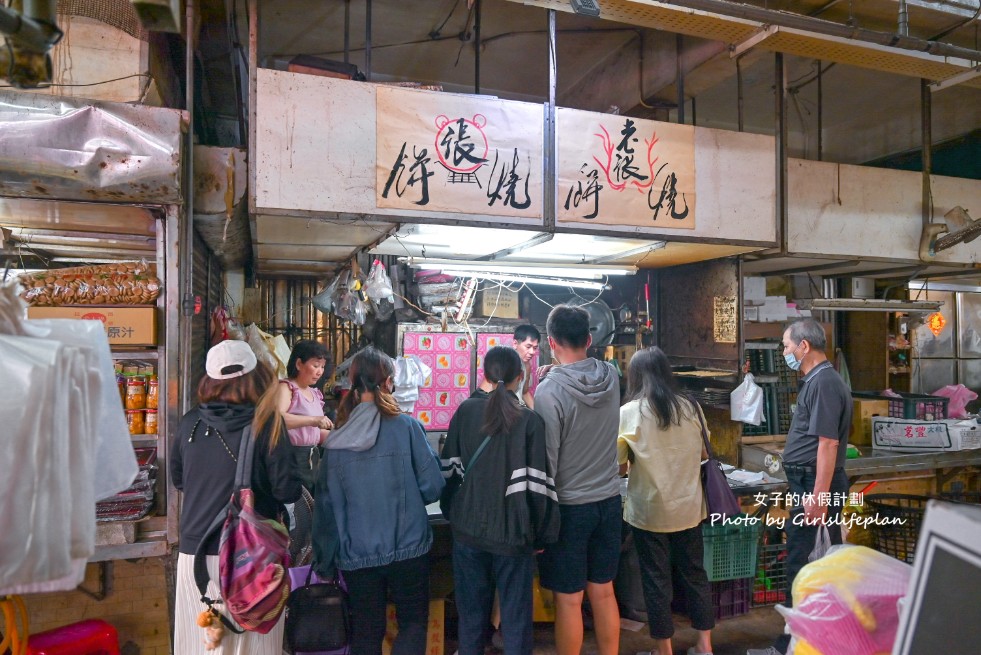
579, 401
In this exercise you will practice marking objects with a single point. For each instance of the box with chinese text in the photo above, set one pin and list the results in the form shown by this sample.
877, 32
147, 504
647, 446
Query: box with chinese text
125, 326
912, 436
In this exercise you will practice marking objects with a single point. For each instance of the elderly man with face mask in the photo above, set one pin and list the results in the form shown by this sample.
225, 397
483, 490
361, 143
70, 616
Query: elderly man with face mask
814, 457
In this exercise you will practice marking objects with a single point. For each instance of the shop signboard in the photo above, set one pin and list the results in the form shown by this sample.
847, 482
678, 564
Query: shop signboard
623, 171
456, 153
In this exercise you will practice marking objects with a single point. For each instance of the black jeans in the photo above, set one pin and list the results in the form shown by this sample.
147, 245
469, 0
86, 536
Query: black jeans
801, 538
368, 590
659, 553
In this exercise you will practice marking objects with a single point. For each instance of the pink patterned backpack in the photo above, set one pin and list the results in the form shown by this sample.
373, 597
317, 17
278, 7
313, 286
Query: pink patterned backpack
253, 556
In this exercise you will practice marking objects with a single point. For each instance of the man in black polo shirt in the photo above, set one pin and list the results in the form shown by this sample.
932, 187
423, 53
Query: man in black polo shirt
814, 457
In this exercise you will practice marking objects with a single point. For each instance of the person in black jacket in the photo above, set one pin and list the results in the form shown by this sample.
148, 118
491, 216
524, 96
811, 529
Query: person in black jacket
236, 392
501, 504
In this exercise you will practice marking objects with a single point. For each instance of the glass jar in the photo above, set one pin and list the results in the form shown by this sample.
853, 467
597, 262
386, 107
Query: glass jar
150, 422
136, 393
121, 383
152, 393
135, 419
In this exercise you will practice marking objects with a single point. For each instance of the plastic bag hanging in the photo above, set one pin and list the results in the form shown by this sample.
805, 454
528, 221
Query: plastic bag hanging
379, 290
746, 402
324, 301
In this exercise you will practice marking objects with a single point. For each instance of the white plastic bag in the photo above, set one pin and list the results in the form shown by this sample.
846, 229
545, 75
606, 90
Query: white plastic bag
410, 374
822, 542
746, 402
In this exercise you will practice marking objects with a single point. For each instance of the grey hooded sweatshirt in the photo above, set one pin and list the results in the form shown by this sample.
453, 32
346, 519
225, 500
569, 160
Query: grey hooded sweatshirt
580, 404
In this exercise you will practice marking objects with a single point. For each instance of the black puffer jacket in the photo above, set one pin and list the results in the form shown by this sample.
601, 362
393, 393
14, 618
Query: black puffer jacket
204, 470
505, 503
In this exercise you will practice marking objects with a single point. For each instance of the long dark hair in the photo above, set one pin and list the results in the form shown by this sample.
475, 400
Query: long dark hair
369, 371
649, 378
501, 366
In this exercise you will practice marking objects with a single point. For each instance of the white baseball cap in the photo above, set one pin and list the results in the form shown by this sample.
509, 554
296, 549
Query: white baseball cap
229, 359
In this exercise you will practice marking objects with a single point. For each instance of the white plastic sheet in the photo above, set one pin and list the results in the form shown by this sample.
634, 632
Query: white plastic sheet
65, 445
410, 374
746, 402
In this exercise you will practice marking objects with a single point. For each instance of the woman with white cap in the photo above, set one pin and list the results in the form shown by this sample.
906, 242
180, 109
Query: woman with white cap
236, 392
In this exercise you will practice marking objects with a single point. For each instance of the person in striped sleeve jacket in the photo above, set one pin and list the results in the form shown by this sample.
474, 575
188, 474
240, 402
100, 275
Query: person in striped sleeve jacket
501, 504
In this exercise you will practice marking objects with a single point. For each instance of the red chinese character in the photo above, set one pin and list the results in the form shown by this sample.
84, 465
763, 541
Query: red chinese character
909, 431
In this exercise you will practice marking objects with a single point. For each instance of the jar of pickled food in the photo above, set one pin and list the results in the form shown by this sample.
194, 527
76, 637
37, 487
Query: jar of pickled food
136, 393
150, 421
152, 393
135, 419
121, 383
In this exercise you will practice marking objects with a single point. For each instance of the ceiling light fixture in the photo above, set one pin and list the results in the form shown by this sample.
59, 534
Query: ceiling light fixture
862, 305
527, 279
583, 271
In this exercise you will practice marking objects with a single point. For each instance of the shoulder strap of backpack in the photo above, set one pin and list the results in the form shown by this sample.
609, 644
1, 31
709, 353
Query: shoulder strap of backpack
246, 451
243, 477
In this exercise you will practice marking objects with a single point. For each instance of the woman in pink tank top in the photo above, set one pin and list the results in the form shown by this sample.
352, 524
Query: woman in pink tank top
302, 406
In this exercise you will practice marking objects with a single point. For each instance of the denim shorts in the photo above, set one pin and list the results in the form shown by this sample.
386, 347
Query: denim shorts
588, 548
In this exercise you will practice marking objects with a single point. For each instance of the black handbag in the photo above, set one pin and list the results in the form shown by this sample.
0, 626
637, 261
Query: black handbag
317, 617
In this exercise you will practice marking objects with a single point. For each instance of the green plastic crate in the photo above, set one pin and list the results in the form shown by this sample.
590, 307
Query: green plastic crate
730, 550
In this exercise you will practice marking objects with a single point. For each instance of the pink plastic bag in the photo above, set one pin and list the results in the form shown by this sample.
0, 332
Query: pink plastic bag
959, 396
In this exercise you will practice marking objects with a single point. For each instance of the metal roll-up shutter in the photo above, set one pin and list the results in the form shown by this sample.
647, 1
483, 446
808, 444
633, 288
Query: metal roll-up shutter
208, 283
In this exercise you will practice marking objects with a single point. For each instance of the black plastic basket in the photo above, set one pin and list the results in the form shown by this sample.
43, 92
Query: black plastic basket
769, 586
910, 405
897, 523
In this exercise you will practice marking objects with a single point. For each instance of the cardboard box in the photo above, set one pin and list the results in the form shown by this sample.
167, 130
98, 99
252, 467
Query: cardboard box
754, 290
862, 413
125, 326
497, 302
912, 436
623, 355
774, 310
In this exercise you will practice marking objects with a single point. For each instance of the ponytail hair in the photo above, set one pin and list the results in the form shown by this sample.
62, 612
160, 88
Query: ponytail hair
369, 372
501, 366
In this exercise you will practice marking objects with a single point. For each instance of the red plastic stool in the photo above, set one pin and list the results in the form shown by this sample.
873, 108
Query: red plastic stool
91, 637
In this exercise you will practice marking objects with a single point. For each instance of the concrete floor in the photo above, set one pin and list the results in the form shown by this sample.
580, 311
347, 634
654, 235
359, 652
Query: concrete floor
730, 637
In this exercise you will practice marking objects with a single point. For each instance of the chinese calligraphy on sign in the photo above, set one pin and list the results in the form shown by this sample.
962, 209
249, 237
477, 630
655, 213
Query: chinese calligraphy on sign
444, 152
616, 170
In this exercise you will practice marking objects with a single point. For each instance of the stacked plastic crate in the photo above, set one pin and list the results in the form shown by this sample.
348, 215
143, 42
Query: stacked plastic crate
730, 562
779, 384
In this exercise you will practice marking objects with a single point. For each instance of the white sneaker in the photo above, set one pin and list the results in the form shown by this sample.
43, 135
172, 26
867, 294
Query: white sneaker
692, 651
763, 651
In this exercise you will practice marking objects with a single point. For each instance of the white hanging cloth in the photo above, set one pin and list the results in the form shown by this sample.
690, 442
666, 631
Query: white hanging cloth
410, 374
66, 444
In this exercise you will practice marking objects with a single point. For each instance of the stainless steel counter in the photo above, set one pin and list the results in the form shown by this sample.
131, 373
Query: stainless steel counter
879, 462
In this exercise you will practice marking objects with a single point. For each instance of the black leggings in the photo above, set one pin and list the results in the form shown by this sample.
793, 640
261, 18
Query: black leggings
659, 553
368, 591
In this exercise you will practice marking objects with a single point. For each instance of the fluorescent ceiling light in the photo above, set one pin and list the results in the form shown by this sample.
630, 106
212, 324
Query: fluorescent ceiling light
582, 271
861, 305
525, 279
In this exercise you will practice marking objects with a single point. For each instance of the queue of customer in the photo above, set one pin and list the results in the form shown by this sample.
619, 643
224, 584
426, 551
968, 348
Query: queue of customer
513, 483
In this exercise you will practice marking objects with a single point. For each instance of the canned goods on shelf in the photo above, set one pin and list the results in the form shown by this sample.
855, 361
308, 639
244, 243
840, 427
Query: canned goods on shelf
150, 421
136, 393
135, 419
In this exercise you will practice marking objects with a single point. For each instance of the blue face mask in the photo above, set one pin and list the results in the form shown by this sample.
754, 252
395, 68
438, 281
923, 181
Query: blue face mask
792, 361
